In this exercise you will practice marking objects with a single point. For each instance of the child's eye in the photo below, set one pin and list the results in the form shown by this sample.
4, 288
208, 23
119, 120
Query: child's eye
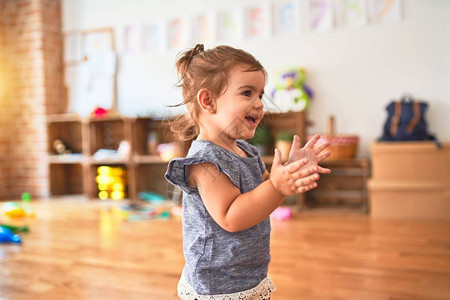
260, 97
247, 93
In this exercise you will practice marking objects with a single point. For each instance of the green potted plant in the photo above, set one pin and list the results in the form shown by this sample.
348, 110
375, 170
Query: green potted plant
261, 140
283, 142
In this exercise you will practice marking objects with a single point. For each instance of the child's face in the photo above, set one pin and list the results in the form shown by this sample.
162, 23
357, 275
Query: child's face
240, 109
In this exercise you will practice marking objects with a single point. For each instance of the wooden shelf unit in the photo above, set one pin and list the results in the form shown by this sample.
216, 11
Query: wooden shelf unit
75, 174
293, 122
345, 187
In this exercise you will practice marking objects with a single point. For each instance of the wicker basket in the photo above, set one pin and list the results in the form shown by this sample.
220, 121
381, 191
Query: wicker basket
342, 145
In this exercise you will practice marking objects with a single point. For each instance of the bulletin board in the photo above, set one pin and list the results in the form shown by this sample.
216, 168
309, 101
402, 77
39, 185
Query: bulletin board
90, 65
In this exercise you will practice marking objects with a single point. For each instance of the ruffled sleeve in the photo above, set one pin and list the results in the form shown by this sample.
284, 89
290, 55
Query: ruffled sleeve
177, 170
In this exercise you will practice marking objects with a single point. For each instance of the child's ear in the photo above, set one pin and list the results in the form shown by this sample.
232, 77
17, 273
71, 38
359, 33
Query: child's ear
206, 101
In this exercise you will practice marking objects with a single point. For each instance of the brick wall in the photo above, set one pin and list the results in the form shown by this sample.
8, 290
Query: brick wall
53, 60
32, 42
4, 95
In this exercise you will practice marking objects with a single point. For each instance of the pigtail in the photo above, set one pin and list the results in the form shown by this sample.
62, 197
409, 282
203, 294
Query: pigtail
184, 60
185, 126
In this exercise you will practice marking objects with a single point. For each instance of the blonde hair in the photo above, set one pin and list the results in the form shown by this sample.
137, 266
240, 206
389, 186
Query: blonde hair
197, 69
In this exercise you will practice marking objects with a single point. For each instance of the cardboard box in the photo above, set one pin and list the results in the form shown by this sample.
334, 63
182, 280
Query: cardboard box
410, 180
397, 199
410, 161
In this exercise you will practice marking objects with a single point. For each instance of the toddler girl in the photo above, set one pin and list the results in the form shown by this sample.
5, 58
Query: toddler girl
228, 194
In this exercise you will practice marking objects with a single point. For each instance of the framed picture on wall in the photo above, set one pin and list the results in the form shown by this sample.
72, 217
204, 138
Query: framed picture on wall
258, 21
204, 28
385, 10
91, 80
179, 32
320, 15
133, 39
155, 37
351, 13
229, 25
286, 17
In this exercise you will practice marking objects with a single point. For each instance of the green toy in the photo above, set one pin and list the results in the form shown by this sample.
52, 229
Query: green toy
26, 197
15, 229
291, 92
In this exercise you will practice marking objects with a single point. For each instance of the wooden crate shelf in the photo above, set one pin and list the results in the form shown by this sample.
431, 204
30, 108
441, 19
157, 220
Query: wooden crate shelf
344, 187
145, 168
72, 174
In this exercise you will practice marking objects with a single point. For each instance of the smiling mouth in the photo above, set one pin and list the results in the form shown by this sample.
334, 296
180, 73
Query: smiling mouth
252, 120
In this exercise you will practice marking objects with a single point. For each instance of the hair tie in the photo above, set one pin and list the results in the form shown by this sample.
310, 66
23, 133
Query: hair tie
196, 50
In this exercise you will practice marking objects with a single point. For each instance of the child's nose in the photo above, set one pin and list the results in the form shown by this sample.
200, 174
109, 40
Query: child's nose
258, 104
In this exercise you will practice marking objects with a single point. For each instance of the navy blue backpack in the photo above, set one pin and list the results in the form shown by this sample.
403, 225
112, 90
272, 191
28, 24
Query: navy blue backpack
406, 122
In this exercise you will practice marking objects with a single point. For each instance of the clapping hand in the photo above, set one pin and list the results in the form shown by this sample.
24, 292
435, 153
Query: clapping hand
313, 154
310, 151
293, 178
301, 172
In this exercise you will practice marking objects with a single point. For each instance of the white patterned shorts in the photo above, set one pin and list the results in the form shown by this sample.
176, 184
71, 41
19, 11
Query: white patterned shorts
261, 292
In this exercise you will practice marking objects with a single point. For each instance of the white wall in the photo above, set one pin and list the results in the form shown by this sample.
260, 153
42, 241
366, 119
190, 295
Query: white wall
354, 72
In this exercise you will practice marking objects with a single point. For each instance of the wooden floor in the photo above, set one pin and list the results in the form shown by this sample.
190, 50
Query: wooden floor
82, 250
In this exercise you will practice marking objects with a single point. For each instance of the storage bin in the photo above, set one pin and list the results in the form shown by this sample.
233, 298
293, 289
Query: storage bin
410, 180
410, 161
400, 199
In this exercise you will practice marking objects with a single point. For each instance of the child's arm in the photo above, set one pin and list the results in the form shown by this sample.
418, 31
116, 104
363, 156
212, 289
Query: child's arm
234, 211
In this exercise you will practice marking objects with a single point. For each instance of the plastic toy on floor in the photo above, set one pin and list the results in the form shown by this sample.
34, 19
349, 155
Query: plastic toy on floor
282, 213
149, 213
14, 210
151, 197
26, 204
145, 212
7, 236
15, 229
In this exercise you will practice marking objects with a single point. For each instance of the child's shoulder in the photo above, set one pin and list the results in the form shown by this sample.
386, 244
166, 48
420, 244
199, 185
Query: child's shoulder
200, 148
247, 147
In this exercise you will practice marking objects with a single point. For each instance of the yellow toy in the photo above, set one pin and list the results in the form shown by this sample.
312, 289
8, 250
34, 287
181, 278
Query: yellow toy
15, 210
111, 182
